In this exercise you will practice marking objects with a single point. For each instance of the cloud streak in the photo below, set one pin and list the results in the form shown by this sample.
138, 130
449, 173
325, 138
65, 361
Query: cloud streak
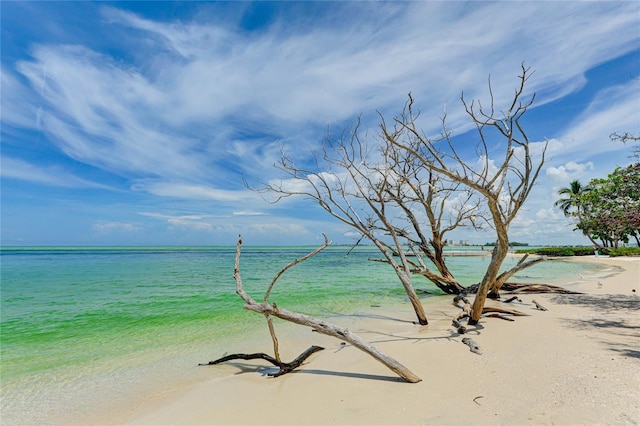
13, 168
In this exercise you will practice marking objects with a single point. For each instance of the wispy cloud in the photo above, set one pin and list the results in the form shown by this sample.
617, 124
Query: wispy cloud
248, 213
146, 119
109, 227
181, 109
190, 191
613, 109
192, 222
13, 168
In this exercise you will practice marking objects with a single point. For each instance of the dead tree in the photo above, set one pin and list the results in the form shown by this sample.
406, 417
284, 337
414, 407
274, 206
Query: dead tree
504, 176
431, 206
391, 199
271, 309
356, 195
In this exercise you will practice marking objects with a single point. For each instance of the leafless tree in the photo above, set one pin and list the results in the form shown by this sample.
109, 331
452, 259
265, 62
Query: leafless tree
502, 170
430, 206
409, 190
391, 199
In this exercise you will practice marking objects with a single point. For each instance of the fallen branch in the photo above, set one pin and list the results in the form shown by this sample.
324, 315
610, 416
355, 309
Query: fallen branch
515, 287
487, 312
285, 367
473, 345
499, 316
268, 310
488, 309
535, 288
539, 306
460, 329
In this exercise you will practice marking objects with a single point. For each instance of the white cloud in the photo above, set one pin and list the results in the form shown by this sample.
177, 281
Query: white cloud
108, 227
248, 213
191, 222
613, 109
13, 168
190, 191
568, 172
293, 230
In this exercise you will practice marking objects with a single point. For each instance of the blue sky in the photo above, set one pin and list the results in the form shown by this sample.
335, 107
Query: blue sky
132, 123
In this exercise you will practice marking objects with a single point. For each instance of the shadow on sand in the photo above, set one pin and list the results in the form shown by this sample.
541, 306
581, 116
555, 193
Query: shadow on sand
618, 316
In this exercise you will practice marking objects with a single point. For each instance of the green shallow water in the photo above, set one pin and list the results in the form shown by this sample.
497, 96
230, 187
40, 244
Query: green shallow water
110, 319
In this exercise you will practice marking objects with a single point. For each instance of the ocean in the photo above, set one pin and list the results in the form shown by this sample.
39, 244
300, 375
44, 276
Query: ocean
84, 329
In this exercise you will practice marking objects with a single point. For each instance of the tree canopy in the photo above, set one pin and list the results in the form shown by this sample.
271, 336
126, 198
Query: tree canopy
610, 211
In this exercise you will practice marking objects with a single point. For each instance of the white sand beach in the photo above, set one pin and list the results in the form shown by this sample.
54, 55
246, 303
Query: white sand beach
577, 363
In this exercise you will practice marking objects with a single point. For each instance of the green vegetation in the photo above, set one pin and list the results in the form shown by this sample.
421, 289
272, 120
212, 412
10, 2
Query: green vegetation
582, 251
560, 251
607, 209
624, 251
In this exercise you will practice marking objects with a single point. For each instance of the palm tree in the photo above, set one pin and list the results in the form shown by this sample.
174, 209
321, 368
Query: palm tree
571, 197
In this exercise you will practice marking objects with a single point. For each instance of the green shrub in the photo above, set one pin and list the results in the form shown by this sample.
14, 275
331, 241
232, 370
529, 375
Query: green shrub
582, 251
624, 251
560, 251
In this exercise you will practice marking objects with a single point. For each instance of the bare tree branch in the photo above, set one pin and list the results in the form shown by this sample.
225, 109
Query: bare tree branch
267, 309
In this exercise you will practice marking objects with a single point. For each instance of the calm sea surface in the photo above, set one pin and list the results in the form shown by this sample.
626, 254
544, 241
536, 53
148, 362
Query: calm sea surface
82, 326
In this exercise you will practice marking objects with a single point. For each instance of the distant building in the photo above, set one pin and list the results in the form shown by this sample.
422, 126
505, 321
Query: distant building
464, 242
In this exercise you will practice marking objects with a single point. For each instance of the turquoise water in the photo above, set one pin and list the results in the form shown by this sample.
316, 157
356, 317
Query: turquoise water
107, 319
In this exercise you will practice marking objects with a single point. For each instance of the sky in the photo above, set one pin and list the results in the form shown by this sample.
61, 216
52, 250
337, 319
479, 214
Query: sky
134, 123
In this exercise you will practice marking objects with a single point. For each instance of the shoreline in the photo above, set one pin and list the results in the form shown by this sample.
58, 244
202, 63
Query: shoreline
577, 363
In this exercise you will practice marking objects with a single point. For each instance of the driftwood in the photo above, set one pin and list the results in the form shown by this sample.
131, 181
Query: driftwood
490, 309
487, 312
285, 367
269, 309
473, 345
499, 316
513, 287
460, 329
511, 299
539, 306
516, 287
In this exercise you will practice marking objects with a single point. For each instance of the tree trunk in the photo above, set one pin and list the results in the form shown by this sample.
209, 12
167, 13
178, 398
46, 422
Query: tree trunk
447, 284
414, 299
405, 278
500, 251
445, 281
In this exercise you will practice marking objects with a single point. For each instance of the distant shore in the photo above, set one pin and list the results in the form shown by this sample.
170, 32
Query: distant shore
577, 363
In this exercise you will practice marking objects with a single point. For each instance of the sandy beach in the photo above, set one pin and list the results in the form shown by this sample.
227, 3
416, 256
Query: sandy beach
577, 363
